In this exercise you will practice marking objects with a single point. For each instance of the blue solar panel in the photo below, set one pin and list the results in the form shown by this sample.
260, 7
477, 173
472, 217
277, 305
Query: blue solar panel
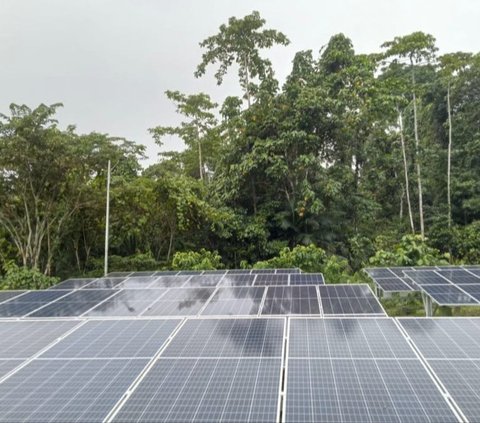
307, 279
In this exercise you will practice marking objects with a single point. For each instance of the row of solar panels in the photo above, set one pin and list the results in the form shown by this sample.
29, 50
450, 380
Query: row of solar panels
445, 285
205, 272
249, 370
165, 281
205, 301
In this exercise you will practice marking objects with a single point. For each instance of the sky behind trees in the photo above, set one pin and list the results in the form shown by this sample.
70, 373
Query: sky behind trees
110, 62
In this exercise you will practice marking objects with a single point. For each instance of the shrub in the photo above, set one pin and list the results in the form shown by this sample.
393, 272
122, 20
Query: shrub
197, 260
23, 278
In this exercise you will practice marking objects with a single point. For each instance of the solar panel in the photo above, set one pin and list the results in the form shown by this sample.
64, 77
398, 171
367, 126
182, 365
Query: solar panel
271, 279
75, 304
237, 280
472, 289
199, 281
105, 283
180, 302
66, 390
227, 390
291, 271
307, 279
238, 272
114, 339
28, 302
239, 338
137, 282
6, 295
238, 301
377, 338
459, 276
167, 282
213, 370
118, 274
22, 339
144, 273
380, 272
166, 273
426, 277
281, 300
349, 300
72, 284
445, 338
190, 272
6, 366
128, 302
360, 370
393, 284
452, 349
449, 295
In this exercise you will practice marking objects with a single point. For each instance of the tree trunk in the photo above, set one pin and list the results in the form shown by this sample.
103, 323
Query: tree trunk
200, 163
417, 159
247, 82
449, 159
405, 170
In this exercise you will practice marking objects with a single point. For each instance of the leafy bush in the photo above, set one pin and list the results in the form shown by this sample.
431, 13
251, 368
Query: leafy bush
310, 258
411, 251
197, 260
24, 278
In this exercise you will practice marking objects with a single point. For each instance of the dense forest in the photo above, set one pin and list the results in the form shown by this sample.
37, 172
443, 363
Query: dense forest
356, 160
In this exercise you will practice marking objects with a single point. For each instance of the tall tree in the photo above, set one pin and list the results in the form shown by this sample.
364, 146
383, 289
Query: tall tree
240, 42
419, 49
450, 65
199, 127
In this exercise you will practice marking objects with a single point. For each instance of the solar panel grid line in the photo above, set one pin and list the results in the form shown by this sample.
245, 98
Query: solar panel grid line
41, 351
320, 305
208, 301
131, 389
262, 303
13, 297
284, 371
434, 377
100, 303
48, 303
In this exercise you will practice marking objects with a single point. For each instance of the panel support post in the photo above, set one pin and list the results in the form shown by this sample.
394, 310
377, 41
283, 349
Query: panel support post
427, 305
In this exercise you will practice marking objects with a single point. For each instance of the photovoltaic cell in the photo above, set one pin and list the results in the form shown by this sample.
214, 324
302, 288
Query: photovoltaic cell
426, 277
167, 282
75, 304
180, 302
472, 289
166, 273
307, 279
22, 339
243, 300
150, 273
7, 295
291, 300
66, 390
355, 390
445, 338
349, 300
114, 339
128, 302
448, 295
20, 306
73, 284
357, 370
289, 271
452, 349
459, 276
347, 338
118, 274
228, 338
392, 285
105, 283
206, 390
380, 272
271, 279
237, 280
6, 366
200, 281
137, 282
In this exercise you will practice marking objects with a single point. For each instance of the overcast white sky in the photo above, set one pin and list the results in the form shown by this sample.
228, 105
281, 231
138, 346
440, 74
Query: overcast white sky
110, 61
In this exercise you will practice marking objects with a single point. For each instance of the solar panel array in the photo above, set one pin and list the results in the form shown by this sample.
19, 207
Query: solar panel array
220, 349
446, 285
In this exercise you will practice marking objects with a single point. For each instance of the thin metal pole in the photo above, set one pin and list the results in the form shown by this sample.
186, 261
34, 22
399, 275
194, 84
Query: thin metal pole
107, 220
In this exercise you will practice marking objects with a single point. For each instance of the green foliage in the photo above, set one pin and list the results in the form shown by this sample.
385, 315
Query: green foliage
135, 262
410, 251
197, 260
23, 278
